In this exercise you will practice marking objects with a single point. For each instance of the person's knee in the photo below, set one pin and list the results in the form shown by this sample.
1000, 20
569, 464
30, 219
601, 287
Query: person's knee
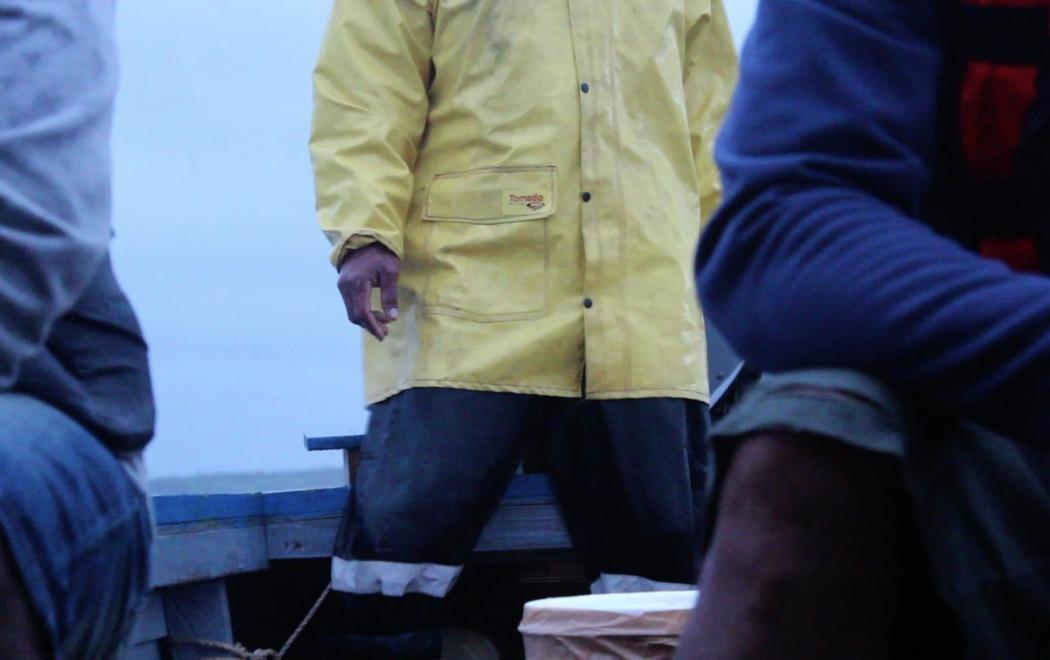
795, 507
796, 482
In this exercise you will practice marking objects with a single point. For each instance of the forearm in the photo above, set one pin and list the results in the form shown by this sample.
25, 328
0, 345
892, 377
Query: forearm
830, 280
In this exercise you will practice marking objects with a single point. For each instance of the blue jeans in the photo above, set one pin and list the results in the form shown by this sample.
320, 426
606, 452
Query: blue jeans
77, 525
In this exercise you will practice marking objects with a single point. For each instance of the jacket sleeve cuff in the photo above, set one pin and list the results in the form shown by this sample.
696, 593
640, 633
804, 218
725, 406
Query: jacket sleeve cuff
359, 240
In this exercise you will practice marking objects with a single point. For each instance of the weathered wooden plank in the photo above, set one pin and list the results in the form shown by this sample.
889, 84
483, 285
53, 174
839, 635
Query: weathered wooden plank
304, 503
302, 539
534, 488
514, 527
235, 534
194, 554
149, 625
517, 527
198, 611
326, 443
177, 509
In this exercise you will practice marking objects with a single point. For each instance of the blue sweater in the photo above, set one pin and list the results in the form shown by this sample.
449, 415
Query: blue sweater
820, 256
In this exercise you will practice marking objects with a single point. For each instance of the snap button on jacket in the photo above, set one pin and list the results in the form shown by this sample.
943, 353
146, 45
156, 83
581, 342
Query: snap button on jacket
521, 157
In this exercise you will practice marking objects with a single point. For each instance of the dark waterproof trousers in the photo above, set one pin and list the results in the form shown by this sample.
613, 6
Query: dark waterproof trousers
630, 477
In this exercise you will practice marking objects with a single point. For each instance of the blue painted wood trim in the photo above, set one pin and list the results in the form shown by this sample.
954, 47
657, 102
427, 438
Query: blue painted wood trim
333, 442
208, 536
177, 509
305, 503
322, 502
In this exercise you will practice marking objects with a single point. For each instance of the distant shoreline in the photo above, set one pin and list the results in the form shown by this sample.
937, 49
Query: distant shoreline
248, 482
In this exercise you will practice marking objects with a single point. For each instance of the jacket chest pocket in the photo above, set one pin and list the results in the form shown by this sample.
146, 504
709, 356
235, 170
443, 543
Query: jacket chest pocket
486, 243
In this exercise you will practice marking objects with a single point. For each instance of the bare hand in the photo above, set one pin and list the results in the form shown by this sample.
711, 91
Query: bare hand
365, 269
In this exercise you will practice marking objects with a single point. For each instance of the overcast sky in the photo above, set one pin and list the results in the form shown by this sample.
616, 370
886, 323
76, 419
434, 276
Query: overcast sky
216, 240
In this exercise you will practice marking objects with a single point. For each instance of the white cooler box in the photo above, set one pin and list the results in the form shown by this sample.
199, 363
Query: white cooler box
632, 626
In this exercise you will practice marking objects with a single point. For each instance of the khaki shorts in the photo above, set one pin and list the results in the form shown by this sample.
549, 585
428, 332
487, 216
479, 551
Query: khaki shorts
981, 501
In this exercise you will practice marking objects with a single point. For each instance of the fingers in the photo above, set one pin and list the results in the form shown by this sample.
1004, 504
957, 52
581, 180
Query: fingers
364, 270
366, 318
357, 297
388, 294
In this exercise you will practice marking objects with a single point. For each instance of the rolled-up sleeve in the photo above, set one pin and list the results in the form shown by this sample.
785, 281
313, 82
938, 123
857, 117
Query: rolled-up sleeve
57, 84
819, 256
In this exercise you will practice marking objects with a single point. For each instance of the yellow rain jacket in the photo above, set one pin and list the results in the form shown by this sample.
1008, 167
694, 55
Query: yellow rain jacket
542, 168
